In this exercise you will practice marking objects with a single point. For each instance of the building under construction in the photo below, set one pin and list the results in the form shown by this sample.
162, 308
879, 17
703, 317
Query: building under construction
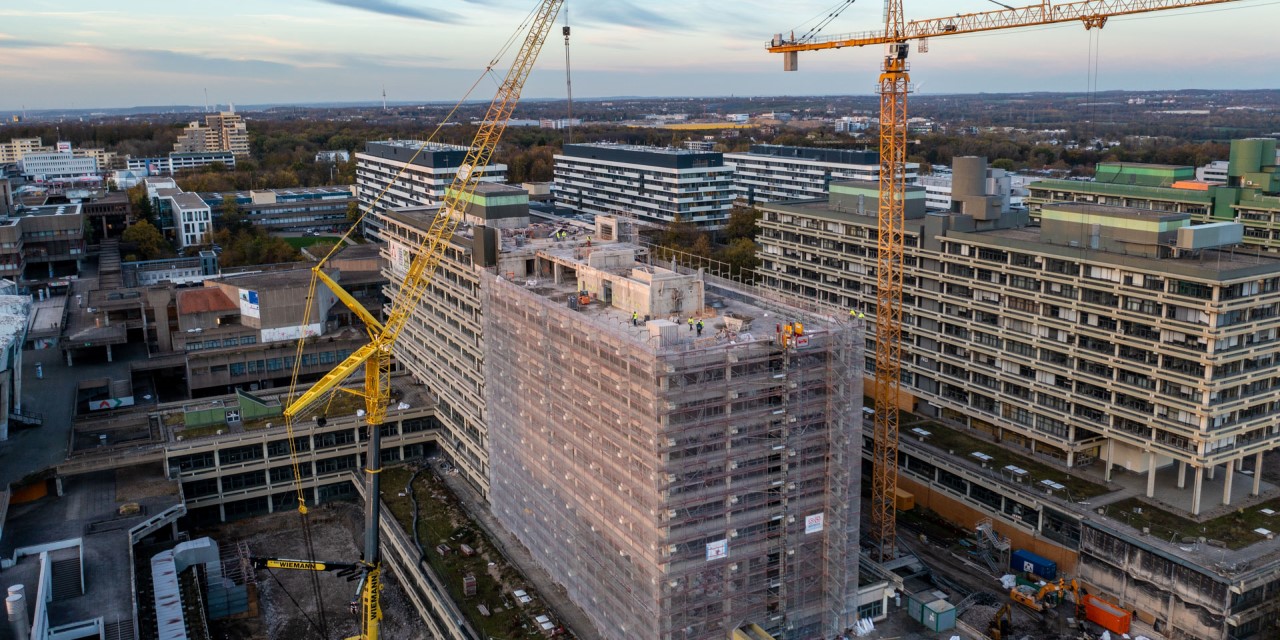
677, 479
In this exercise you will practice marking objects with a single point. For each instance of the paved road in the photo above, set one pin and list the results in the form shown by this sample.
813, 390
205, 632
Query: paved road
30, 450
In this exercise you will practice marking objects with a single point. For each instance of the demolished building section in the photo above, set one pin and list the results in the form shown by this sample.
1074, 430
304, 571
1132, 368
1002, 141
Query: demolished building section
681, 457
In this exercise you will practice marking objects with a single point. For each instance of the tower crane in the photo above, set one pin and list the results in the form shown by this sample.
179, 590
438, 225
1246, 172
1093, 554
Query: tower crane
375, 357
894, 86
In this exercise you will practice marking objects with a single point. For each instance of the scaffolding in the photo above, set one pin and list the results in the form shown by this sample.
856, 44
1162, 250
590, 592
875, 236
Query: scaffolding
678, 486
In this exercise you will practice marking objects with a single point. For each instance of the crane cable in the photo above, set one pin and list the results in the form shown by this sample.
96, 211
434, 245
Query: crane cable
831, 14
322, 626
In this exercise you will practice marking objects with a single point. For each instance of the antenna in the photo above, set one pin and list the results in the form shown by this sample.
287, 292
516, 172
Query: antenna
568, 80
384, 97
206, 100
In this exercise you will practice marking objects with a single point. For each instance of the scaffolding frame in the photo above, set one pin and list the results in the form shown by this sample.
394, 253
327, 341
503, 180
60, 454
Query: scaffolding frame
627, 467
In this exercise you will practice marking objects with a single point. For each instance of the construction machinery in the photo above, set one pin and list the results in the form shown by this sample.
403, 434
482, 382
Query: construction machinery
375, 357
1047, 596
1001, 625
893, 88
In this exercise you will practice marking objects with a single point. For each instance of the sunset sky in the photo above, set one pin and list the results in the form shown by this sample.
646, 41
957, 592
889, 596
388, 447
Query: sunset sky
83, 54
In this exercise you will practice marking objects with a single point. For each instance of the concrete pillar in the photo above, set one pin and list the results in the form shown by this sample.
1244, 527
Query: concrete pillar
222, 513
1071, 458
68, 352
1226, 482
1151, 474
1195, 496
1212, 470
108, 353
1111, 454
1182, 474
1257, 474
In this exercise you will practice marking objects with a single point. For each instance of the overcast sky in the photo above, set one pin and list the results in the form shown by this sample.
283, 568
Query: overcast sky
88, 53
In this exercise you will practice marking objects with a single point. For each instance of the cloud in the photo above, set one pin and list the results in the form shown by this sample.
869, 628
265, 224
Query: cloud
19, 43
387, 7
625, 14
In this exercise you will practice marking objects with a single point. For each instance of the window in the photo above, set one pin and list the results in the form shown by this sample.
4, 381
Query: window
240, 454
245, 480
249, 340
237, 368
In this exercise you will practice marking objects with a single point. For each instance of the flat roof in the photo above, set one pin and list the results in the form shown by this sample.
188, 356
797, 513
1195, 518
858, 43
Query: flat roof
1209, 264
1112, 211
266, 279
204, 300
188, 201
88, 509
762, 314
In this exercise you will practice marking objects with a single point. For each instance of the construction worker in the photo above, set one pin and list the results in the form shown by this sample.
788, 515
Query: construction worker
691, 323
699, 326
635, 317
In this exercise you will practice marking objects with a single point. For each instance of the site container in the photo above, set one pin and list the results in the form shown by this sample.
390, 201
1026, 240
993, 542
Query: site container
934, 614
1025, 561
1106, 615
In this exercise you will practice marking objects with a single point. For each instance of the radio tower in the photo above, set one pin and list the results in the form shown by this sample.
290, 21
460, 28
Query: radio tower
568, 80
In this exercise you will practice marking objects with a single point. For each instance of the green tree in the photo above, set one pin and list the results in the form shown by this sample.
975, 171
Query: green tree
232, 218
742, 223
1003, 163
148, 241
679, 234
741, 256
354, 212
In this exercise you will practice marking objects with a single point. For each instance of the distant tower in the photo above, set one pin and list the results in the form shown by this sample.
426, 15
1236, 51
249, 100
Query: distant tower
206, 100
384, 97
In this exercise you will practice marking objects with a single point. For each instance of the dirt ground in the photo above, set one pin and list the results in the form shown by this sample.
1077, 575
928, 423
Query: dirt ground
335, 529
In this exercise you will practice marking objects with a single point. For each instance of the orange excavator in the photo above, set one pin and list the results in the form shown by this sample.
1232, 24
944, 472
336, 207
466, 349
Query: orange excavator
1047, 596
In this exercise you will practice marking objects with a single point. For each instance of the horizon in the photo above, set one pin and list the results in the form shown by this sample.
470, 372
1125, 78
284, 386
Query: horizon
73, 55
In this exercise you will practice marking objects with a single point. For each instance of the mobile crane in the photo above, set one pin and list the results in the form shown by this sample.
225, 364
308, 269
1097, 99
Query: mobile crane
894, 86
375, 357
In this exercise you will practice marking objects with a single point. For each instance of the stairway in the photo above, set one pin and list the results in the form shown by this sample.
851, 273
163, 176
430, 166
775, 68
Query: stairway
109, 278
66, 579
122, 630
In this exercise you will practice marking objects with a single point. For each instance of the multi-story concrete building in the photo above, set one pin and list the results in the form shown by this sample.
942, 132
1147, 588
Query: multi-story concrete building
1107, 336
677, 481
38, 244
409, 173
176, 162
302, 209
653, 184
1085, 316
191, 217
771, 172
1250, 195
41, 167
15, 149
225, 131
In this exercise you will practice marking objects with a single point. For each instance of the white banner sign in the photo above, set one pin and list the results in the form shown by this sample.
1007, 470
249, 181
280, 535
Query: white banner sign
813, 523
717, 550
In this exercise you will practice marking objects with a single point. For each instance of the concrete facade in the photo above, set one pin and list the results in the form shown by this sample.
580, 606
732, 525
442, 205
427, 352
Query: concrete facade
768, 173
409, 173
654, 184
224, 131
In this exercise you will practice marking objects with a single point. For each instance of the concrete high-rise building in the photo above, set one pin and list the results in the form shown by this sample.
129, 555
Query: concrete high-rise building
676, 480
391, 174
768, 172
1105, 339
937, 187
15, 149
225, 131
651, 184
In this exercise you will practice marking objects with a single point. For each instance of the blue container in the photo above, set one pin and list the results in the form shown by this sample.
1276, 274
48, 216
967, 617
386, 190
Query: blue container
1024, 561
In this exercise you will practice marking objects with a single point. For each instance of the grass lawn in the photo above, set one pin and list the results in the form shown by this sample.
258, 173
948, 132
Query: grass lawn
1234, 530
441, 521
306, 241
963, 444
200, 432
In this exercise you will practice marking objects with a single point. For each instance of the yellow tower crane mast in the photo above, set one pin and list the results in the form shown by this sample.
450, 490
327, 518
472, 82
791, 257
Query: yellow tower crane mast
375, 357
893, 88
